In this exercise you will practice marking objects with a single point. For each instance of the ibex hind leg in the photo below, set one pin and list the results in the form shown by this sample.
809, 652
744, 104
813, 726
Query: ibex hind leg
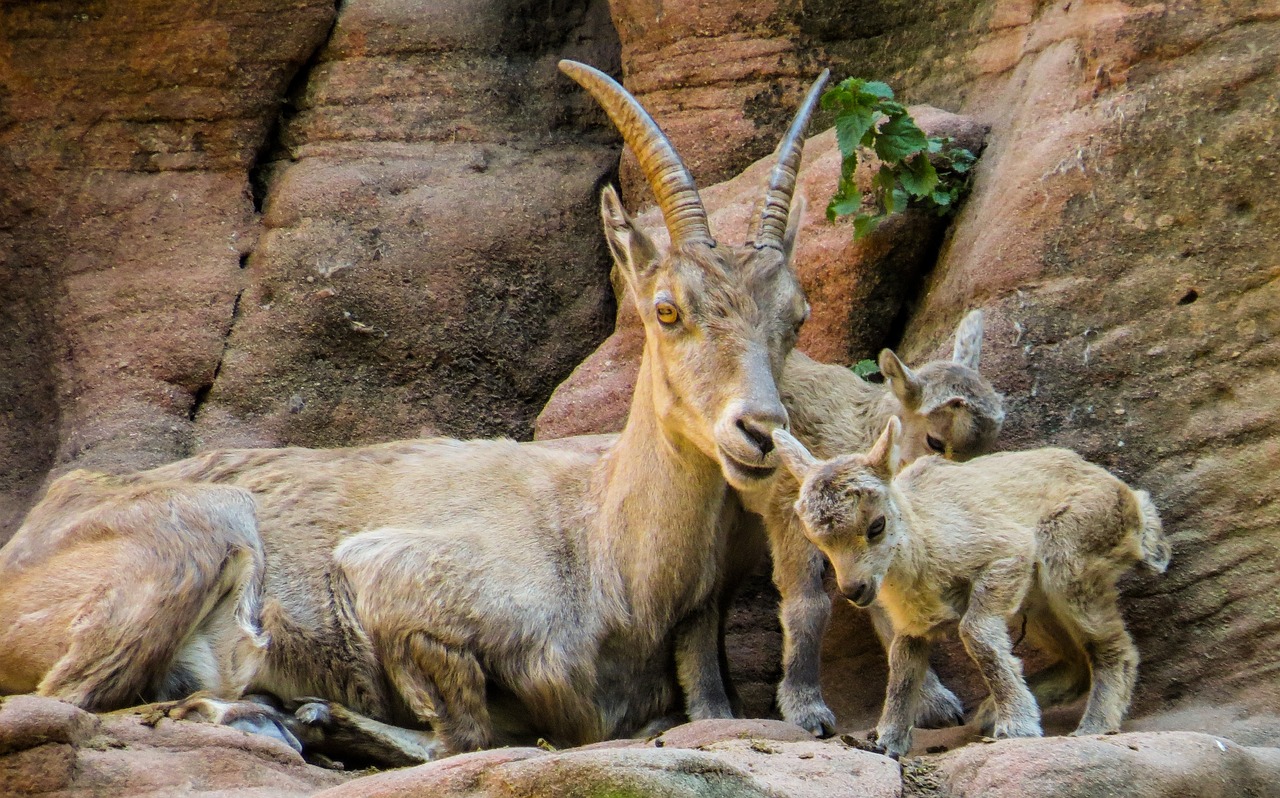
1112, 657
442, 685
141, 640
1061, 682
342, 735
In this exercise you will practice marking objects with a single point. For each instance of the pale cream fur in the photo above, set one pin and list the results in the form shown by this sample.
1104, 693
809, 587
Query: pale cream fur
1042, 533
946, 407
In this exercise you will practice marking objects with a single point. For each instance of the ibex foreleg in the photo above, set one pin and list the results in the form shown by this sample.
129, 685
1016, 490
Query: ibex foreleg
805, 610
698, 664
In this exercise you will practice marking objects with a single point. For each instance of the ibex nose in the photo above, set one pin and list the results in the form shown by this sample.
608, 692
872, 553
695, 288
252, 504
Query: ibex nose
760, 434
861, 593
757, 427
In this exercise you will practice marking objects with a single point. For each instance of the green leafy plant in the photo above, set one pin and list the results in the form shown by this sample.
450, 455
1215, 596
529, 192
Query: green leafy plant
914, 168
865, 368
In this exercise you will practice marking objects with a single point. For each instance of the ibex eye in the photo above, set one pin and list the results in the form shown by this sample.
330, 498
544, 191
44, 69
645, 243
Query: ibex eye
667, 313
876, 530
935, 444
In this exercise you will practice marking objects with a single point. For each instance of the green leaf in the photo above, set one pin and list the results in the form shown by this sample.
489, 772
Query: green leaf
896, 200
877, 89
884, 179
942, 198
865, 368
843, 206
919, 178
899, 137
851, 125
863, 224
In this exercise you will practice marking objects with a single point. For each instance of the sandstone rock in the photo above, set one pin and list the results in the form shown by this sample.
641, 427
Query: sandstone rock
432, 260
128, 133
1117, 237
48, 747
856, 289
705, 758
1138, 765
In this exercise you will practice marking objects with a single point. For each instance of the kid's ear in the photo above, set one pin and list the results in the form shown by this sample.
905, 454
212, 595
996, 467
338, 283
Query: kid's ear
632, 251
968, 348
794, 456
902, 380
883, 457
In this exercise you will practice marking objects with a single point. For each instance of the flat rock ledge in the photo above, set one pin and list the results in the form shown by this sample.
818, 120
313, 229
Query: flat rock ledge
51, 748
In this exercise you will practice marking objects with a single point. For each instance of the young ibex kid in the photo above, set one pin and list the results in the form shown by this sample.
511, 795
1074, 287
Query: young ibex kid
1042, 533
946, 407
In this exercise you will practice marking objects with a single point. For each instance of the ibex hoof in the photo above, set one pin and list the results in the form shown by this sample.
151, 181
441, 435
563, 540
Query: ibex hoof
940, 709
315, 712
817, 720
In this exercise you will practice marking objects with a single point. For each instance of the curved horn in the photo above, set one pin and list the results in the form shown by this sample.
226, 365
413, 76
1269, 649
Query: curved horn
782, 181
670, 180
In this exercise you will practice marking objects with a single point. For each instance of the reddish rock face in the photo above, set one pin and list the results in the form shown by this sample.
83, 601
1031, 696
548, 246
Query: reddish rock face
1118, 239
128, 133
429, 259
432, 261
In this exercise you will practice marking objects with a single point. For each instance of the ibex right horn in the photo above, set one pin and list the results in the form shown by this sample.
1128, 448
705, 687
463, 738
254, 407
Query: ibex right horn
782, 181
682, 209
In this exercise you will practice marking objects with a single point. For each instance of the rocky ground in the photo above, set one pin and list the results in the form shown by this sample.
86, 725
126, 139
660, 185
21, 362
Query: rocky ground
276, 223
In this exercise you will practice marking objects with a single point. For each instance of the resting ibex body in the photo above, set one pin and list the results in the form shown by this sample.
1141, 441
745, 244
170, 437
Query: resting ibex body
946, 407
436, 581
1041, 533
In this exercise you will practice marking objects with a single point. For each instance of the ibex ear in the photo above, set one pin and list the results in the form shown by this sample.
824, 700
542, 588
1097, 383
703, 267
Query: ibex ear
902, 380
794, 456
632, 250
968, 351
883, 457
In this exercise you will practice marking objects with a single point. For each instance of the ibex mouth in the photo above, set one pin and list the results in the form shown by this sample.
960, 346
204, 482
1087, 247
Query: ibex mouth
747, 473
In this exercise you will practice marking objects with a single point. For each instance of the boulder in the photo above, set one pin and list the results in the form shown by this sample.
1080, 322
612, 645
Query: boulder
1153, 765
431, 260
768, 759
49, 747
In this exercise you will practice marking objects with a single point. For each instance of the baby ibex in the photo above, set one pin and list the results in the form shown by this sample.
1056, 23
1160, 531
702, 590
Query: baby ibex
1042, 533
433, 581
946, 407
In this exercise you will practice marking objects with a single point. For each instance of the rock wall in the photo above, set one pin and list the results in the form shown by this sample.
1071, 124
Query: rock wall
1120, 238
278, 223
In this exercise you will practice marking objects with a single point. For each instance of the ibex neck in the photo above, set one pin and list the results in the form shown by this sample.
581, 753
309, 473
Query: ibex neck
913, 556
654, 542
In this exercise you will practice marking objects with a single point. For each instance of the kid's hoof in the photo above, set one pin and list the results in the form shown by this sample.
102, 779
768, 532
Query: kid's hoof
939, 709
1017, 728
818, 720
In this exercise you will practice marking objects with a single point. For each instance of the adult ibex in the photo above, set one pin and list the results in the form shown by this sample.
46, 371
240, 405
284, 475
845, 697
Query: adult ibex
432, 581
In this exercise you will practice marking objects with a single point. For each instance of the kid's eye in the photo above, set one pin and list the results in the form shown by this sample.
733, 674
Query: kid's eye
876, 530
935, 444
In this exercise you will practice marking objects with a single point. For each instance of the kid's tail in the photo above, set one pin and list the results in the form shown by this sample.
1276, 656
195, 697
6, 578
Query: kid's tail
1156, 550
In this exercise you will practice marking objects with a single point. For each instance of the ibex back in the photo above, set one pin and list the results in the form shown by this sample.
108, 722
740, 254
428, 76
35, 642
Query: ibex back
428, 582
